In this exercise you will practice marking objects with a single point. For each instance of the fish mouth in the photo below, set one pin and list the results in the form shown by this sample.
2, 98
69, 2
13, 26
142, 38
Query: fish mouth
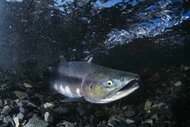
122, 92
132, 84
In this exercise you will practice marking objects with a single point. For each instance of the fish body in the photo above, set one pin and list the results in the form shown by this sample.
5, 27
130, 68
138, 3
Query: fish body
95, 83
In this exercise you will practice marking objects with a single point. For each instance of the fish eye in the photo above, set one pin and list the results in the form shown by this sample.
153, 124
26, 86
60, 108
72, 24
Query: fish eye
109, 82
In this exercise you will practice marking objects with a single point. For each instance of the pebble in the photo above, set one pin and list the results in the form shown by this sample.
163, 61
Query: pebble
36, 122
155, 117
113, 120
161, 106
48, 105
81, 111
65, 124
20, 116
48, 118
1, 103
124, 107
22, 110
147, 105
8, 120
131, 125
6, 110
27, 85
130, 113
144, 125
61, 110
82, 3
16, 121
177, 84
185, 68
130, 121
149, 121
21, 95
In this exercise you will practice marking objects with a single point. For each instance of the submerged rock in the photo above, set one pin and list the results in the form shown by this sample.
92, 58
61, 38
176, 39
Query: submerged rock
36, 122
48, 105
177, 84
147, 105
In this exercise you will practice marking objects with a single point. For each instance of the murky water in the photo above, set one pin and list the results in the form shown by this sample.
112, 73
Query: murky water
124, 34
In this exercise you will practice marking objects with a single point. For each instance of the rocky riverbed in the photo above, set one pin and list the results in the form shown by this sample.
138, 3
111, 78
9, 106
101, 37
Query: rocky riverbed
161, 101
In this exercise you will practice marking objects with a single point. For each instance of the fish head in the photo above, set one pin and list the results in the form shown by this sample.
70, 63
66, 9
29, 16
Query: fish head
108, 86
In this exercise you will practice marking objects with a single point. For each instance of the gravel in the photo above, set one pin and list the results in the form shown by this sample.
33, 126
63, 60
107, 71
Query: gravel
153, 104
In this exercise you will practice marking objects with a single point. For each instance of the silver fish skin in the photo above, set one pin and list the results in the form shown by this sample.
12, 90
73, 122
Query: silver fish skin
95, 83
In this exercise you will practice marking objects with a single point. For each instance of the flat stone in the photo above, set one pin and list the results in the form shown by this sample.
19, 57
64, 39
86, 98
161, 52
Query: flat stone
36, 122
48, 117
177, 84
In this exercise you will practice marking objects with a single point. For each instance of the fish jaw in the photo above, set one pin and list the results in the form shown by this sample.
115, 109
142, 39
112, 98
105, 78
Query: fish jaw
119, 94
